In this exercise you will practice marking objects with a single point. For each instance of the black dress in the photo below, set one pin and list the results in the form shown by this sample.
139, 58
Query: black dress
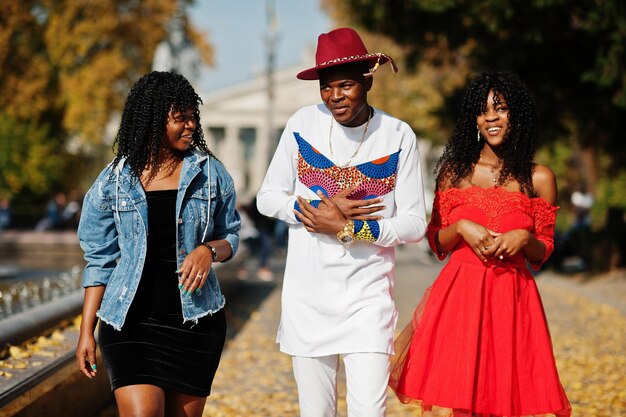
154, 346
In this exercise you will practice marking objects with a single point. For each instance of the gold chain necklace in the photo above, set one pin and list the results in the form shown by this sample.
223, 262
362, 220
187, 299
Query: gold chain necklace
491, 168
330, 139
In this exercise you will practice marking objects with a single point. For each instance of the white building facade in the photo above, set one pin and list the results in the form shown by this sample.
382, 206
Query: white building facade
236, 123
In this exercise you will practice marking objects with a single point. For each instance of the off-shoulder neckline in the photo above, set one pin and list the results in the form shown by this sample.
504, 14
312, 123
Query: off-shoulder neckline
530, 199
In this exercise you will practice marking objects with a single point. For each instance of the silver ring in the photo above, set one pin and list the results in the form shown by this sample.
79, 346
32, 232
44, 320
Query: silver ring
199, 276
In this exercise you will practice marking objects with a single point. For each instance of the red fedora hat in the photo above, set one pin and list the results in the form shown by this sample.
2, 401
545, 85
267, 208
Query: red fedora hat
342, 46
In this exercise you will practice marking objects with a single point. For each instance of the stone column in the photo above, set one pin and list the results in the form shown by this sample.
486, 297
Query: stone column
233, 155
263, 155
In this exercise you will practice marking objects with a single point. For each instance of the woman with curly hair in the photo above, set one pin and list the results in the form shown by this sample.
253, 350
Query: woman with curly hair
152, 225
478, 344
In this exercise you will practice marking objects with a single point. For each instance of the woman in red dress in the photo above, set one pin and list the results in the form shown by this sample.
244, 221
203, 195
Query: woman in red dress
479, 343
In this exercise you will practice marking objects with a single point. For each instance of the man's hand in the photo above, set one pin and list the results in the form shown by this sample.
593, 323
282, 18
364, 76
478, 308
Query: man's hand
326, 219
356, 209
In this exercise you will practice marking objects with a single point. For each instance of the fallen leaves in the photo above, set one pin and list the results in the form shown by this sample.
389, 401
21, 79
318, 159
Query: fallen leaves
45, 348
589, 341
17, 352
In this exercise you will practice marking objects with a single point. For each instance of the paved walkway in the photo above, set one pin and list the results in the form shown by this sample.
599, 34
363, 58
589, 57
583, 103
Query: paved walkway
587, 321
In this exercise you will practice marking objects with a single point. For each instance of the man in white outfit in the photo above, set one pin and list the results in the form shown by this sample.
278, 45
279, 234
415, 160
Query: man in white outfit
346, 177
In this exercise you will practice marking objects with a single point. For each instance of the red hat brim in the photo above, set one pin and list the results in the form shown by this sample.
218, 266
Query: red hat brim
372, 59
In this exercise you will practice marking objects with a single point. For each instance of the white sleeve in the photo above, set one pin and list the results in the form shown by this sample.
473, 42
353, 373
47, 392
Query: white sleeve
408, 223
276, 197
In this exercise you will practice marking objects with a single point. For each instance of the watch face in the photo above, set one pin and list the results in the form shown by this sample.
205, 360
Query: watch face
346, 238
213, 251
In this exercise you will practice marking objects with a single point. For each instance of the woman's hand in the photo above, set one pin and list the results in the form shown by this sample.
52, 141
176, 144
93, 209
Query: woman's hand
478, 237
356, 209
509, 243
86, 348
194, 270
326, 218
86, 354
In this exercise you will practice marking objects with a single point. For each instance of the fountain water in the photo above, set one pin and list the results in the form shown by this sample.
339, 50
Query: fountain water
22, 295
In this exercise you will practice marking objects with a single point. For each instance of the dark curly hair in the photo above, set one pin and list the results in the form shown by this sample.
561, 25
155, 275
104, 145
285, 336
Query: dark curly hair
462, 151
145, 117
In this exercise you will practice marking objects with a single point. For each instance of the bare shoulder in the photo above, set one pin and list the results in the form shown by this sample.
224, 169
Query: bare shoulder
544, 183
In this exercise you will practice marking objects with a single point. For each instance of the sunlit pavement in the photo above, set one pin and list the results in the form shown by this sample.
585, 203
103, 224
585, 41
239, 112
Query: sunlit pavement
587, 322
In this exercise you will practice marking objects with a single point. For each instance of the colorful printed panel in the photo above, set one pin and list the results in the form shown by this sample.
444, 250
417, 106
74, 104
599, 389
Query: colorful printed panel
367, 231
376, 178
314, 203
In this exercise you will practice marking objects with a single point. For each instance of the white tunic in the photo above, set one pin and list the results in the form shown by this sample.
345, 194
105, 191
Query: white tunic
336, 298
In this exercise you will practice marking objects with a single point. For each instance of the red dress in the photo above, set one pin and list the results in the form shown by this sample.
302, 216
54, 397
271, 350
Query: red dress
479, 343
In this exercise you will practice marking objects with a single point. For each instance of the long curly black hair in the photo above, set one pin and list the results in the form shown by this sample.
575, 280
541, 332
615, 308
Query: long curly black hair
145, 117
462, 151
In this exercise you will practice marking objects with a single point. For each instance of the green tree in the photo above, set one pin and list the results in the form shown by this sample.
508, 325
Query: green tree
571, 54
65, 68
29, 160
417, 96
97, 48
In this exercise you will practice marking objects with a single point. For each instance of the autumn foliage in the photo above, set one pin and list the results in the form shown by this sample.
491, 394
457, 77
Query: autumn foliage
65, 67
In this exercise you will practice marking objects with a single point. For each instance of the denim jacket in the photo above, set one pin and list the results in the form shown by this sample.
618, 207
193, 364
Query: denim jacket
114, 225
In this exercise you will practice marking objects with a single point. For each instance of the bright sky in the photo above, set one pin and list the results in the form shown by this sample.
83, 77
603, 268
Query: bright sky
237, 29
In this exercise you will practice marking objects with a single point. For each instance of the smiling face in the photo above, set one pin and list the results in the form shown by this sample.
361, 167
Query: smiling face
493, 124
179, 130
344, 91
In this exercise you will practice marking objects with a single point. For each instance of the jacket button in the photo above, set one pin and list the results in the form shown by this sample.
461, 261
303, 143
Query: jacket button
180, 221
182, 252
123, 203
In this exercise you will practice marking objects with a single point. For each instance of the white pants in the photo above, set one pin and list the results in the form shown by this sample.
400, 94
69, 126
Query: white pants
367, 375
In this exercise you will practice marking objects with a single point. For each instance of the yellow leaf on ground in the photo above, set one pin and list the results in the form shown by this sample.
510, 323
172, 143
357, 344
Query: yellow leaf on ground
18, 353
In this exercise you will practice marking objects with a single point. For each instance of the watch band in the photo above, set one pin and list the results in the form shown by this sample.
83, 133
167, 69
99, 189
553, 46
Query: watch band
346, 236
212, 249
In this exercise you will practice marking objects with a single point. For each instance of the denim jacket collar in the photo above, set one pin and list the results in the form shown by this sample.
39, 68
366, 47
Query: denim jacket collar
191, 167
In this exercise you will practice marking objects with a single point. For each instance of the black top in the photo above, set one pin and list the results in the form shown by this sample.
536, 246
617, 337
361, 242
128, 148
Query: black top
158, 294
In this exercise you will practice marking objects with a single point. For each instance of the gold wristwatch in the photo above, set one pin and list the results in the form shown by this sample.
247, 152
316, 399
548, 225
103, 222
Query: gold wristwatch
346, 235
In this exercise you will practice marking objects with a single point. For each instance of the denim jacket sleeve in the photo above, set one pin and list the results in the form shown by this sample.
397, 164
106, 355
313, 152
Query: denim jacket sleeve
98, 235
226, 218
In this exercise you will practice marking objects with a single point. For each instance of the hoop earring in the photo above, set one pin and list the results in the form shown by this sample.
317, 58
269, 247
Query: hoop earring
478, 135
